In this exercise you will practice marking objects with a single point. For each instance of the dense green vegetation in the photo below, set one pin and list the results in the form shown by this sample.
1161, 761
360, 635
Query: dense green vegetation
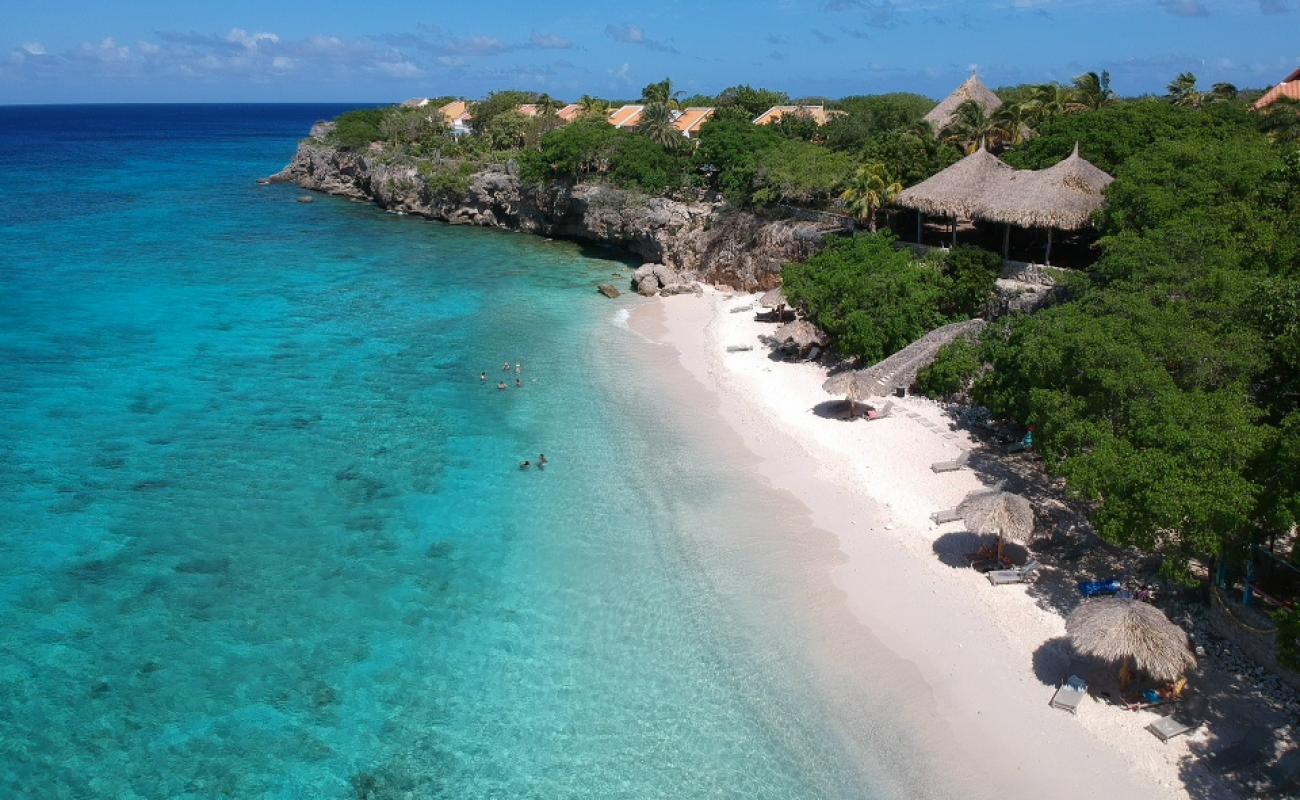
874, 299
1165, 389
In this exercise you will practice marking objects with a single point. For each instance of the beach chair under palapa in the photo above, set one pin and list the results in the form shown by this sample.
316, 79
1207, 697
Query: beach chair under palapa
1070, 694
1001, 577
1169, 727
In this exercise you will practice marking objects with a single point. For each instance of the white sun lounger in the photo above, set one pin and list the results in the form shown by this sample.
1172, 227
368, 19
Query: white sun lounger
945, 516
951, 466
1167, 728
739, 309
739, 348
1001, 577
1070, 694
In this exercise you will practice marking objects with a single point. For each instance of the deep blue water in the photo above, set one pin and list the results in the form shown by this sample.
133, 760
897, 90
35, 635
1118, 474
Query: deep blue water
263, 535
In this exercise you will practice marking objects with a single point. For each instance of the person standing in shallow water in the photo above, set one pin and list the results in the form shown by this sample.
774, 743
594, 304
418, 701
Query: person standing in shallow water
541, 461
505, 367
482, 376
519, 384
519, 368
501, 386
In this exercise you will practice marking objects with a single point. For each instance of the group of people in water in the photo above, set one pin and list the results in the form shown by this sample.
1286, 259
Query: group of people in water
519, 384
501, 384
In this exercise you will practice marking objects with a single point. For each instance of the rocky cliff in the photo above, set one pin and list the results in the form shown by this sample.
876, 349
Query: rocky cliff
697, 240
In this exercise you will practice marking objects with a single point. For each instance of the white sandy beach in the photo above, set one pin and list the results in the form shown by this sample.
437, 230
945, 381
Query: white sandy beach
869, 484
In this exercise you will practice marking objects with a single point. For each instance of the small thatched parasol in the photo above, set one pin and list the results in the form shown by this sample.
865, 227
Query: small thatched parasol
801, 334
1134, 633
1006, 515
958, 190
973, 89
1063, 196
774, 298
853, 385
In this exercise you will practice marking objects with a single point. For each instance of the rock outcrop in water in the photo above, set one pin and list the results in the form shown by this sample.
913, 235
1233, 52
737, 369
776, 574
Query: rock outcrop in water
694, 240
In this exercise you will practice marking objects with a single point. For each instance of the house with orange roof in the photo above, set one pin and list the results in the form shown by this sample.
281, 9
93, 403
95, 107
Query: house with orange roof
819, 114
1288, 88
626, 116
457, 116
570, 112
689, 120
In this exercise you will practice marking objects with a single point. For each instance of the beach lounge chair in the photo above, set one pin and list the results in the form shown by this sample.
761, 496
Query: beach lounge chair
951, 466
1070, 694
887, 411
739, 348
1001, 577
945, 516
1167, 728
739, 309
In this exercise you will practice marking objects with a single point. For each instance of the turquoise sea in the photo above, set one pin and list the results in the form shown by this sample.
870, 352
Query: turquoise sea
263, 532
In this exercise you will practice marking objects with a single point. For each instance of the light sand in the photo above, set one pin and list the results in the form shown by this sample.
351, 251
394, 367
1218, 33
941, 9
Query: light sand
870, 485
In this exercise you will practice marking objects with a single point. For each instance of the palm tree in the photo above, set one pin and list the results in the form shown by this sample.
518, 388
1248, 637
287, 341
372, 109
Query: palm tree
1223, 92
1091, 92
1183, 92
1046, 102
871, 188
657, 123
970, 127
1012, 121
661, 92
593, 105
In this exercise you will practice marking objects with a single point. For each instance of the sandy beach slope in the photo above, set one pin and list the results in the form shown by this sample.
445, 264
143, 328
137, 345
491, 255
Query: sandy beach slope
870, 485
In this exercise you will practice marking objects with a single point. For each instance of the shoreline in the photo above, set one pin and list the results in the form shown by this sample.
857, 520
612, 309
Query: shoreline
869, 486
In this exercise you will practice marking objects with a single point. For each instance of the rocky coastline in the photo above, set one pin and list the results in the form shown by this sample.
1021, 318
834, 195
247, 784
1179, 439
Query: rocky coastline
687, 240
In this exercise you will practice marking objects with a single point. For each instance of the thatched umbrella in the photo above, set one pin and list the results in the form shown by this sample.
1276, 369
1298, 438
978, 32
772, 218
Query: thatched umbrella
958, 190
972, 90
1136, 634
1008, 516
853, 385
773, 298
801, 333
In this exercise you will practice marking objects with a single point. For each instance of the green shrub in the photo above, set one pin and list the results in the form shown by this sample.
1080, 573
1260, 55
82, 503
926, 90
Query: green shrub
1288, 637
795, 171
870, 298
972, 273
355, 130
954, 368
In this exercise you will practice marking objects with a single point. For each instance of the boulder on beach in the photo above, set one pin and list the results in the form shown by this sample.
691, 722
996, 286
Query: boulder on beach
306, 198
607, 290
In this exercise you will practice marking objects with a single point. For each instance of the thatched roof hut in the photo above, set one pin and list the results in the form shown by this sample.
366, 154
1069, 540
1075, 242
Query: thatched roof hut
901, 368
958, 190
1063, 196
1130, 632
973, 89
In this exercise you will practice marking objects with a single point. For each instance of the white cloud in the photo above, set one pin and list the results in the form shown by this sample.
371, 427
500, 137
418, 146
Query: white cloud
33, 48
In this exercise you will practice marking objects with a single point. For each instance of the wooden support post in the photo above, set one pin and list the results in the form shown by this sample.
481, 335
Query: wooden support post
919, 221
1048, 259
1006, 242
954, 230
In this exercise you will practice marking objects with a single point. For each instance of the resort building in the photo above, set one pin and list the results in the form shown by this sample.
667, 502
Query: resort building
689, 120
626, 116
570, 112
983, 188
819, 114
416, 102
973, 89
457, 116
1288, 88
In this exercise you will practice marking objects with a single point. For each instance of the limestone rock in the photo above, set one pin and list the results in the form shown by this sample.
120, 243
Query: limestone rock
608, 291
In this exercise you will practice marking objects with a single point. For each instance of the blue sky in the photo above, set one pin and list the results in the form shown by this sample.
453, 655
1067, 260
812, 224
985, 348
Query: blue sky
241, 50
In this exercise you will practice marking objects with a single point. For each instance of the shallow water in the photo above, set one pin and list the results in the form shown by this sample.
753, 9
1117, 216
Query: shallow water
263, 531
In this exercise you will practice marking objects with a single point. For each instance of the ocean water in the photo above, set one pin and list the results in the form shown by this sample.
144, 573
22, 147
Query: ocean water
263, 532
